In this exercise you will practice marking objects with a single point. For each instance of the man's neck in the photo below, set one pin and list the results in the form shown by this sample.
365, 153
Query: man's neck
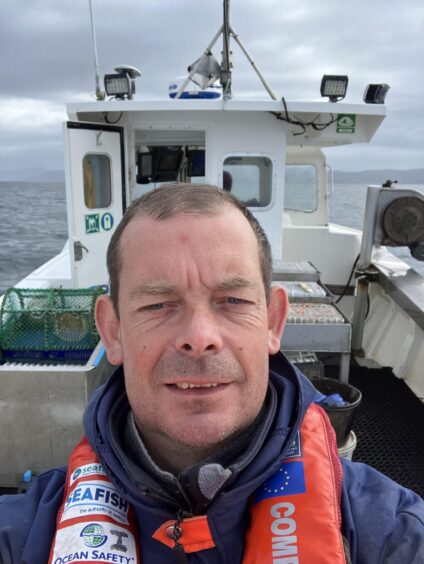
173, 456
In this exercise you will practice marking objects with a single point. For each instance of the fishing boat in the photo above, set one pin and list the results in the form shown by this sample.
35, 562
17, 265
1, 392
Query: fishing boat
350, 298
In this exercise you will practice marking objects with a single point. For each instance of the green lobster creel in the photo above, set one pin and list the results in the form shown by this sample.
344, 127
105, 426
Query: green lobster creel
43, 324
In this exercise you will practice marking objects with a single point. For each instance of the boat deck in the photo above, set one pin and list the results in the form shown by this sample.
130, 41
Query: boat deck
389, 425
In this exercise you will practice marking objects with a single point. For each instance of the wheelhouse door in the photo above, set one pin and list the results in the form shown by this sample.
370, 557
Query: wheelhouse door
95, 190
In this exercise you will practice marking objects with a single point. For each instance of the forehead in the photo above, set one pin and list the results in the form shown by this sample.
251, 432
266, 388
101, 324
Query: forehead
225, 239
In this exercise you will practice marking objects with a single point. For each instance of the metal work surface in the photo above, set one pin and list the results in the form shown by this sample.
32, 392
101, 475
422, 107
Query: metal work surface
305, 291
316, 338
313, 324
320, 336
389, 425
323, 314
407, 290
316, 327
295, 271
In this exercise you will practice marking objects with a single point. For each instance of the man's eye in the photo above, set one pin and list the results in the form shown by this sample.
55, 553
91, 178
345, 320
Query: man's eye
232, 300
154, 307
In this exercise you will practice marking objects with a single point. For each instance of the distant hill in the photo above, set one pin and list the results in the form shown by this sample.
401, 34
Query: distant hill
414, 176
22, 174
51, 176
32, 175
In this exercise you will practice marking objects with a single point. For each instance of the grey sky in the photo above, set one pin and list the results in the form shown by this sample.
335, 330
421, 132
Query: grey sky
47, 60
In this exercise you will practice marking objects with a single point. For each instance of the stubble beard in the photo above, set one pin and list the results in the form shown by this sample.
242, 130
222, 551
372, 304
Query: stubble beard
177, 448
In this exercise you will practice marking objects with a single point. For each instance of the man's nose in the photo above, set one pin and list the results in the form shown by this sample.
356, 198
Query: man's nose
200, 333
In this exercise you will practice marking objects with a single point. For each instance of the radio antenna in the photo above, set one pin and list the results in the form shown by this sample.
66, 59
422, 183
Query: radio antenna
225, 68
226, 65
99, 94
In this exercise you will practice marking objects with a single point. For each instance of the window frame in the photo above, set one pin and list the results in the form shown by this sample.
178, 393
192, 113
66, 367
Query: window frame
109, 161
273, 173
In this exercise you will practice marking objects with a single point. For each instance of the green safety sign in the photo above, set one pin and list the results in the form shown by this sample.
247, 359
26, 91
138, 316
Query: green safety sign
92, 223
346, 123
96, 222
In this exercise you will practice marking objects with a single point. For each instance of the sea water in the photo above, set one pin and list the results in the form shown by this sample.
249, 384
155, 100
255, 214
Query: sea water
33, 227
33, 224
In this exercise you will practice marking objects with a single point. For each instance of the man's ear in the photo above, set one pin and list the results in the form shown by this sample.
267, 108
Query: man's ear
109, 329
277, 314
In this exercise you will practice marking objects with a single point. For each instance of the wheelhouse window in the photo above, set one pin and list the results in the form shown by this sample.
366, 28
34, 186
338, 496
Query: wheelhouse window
97, 181
249, 178
158, 165
168, 155
300, 188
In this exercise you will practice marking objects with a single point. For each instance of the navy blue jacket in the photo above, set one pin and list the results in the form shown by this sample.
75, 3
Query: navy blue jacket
382, 521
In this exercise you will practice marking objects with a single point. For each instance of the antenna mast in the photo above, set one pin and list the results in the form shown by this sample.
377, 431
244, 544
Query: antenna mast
226, 63
99, 94
225, 70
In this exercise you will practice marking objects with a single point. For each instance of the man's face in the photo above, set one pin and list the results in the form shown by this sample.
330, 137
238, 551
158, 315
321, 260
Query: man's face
194, 329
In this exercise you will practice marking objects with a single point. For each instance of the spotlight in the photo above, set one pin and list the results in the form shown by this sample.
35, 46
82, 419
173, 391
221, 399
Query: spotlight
117, 85
122, 84
334, 87
376, 93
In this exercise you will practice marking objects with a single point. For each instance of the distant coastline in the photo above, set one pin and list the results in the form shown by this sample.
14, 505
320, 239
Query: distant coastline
32, 175
412, 176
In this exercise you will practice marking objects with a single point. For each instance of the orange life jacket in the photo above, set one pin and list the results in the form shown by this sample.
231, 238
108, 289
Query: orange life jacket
295, 514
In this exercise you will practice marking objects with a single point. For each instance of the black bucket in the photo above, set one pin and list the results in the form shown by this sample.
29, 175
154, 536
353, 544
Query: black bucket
341, 417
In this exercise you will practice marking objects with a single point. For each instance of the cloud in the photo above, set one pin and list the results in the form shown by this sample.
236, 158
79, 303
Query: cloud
50, 56
27, 114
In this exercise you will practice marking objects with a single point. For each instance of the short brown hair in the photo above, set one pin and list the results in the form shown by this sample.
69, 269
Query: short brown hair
173, 199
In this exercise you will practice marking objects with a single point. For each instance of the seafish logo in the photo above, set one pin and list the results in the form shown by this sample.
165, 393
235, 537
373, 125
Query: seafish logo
95, 497
93, 535
87, 470
76, 474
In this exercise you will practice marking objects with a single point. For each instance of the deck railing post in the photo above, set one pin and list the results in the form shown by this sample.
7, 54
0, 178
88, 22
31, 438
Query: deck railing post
365, 256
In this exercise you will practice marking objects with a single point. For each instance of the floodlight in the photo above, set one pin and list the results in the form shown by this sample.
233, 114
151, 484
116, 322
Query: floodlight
376, 93
118, 85
334, 87
121, 85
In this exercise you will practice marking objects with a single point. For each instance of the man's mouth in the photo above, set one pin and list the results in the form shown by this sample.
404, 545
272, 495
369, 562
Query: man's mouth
197, 388
187, 385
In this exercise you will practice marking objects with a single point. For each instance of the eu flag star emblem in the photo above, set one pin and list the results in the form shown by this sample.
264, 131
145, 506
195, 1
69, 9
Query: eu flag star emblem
288, 480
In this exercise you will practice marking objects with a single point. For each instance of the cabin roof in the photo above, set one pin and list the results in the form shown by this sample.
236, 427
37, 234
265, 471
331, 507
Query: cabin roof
367, 118
163, 105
